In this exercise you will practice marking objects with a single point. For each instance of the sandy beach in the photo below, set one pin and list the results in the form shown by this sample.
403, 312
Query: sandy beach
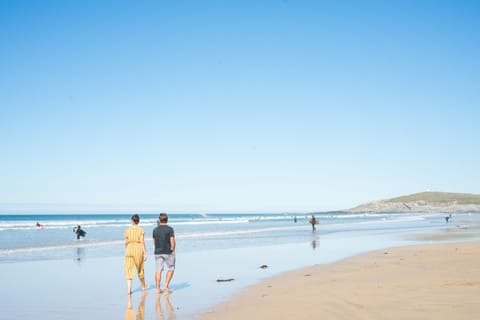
439, 281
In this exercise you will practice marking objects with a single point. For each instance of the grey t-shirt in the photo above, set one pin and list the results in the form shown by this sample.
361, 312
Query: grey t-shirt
161, 238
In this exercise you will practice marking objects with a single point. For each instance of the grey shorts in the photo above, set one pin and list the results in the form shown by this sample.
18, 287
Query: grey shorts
165, 259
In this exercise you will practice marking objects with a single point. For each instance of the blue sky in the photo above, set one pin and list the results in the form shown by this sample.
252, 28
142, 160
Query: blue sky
235, 106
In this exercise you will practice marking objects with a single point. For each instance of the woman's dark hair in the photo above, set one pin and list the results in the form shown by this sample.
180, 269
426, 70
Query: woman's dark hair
136, 218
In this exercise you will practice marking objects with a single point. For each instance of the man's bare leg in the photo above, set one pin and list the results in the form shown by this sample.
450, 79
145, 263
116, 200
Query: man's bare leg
167, 280
158, 276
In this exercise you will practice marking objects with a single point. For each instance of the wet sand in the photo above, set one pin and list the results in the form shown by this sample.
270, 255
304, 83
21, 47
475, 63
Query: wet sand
439, 281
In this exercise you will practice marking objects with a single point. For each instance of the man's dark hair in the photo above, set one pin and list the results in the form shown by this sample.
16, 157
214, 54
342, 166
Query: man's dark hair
163, 218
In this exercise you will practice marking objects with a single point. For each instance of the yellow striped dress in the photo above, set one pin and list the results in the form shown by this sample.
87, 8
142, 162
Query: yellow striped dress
134, 252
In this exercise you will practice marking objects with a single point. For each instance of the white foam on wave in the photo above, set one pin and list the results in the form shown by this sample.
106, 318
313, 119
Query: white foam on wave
386, 220
64, 224
236, 232
105, 222
218, 221
79, 244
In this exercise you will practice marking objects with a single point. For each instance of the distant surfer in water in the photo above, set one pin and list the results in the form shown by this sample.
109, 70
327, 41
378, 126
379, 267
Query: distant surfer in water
79, 232
39, 225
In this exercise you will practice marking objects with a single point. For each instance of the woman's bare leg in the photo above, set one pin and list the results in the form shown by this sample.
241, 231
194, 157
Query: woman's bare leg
144, 285
129, 286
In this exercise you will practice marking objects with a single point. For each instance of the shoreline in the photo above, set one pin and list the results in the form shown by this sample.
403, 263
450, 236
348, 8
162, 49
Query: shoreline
434, 281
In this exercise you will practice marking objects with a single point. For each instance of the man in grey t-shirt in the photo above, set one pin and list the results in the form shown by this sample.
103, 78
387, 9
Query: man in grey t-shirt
164, 240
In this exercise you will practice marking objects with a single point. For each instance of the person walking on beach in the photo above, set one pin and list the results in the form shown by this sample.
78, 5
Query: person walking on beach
313, 221
135, 253
164, 240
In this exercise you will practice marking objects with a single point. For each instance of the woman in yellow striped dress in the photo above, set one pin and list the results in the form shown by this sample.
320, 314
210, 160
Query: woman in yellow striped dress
135, 253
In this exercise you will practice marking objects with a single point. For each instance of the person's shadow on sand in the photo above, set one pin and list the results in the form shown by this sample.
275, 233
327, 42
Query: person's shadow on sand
130, 313
168, 306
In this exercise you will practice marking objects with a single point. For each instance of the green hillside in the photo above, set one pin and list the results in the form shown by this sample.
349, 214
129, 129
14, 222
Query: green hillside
424, 202
440, 198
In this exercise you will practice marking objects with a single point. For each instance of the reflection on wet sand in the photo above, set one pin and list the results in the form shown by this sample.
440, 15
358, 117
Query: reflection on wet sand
168, 306
79, 254
315, 241
130, 313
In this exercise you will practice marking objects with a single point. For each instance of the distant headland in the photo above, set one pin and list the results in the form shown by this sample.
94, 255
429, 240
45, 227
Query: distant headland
445, 202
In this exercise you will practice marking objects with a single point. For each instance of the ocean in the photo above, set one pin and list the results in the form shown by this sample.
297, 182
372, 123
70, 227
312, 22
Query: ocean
210, 247
21, 238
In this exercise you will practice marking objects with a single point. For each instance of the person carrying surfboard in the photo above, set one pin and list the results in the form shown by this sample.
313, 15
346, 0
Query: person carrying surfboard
79, 232
313, 222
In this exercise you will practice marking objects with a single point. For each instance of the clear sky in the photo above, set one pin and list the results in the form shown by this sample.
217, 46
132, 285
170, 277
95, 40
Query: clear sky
236, 106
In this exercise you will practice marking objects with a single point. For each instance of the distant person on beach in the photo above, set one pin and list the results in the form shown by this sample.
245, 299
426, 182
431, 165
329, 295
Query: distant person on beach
313, 221
448, 217
79, 232
135, 253
295, 219
164, 240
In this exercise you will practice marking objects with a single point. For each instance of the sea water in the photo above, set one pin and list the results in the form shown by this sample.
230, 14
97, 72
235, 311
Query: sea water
22, 239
